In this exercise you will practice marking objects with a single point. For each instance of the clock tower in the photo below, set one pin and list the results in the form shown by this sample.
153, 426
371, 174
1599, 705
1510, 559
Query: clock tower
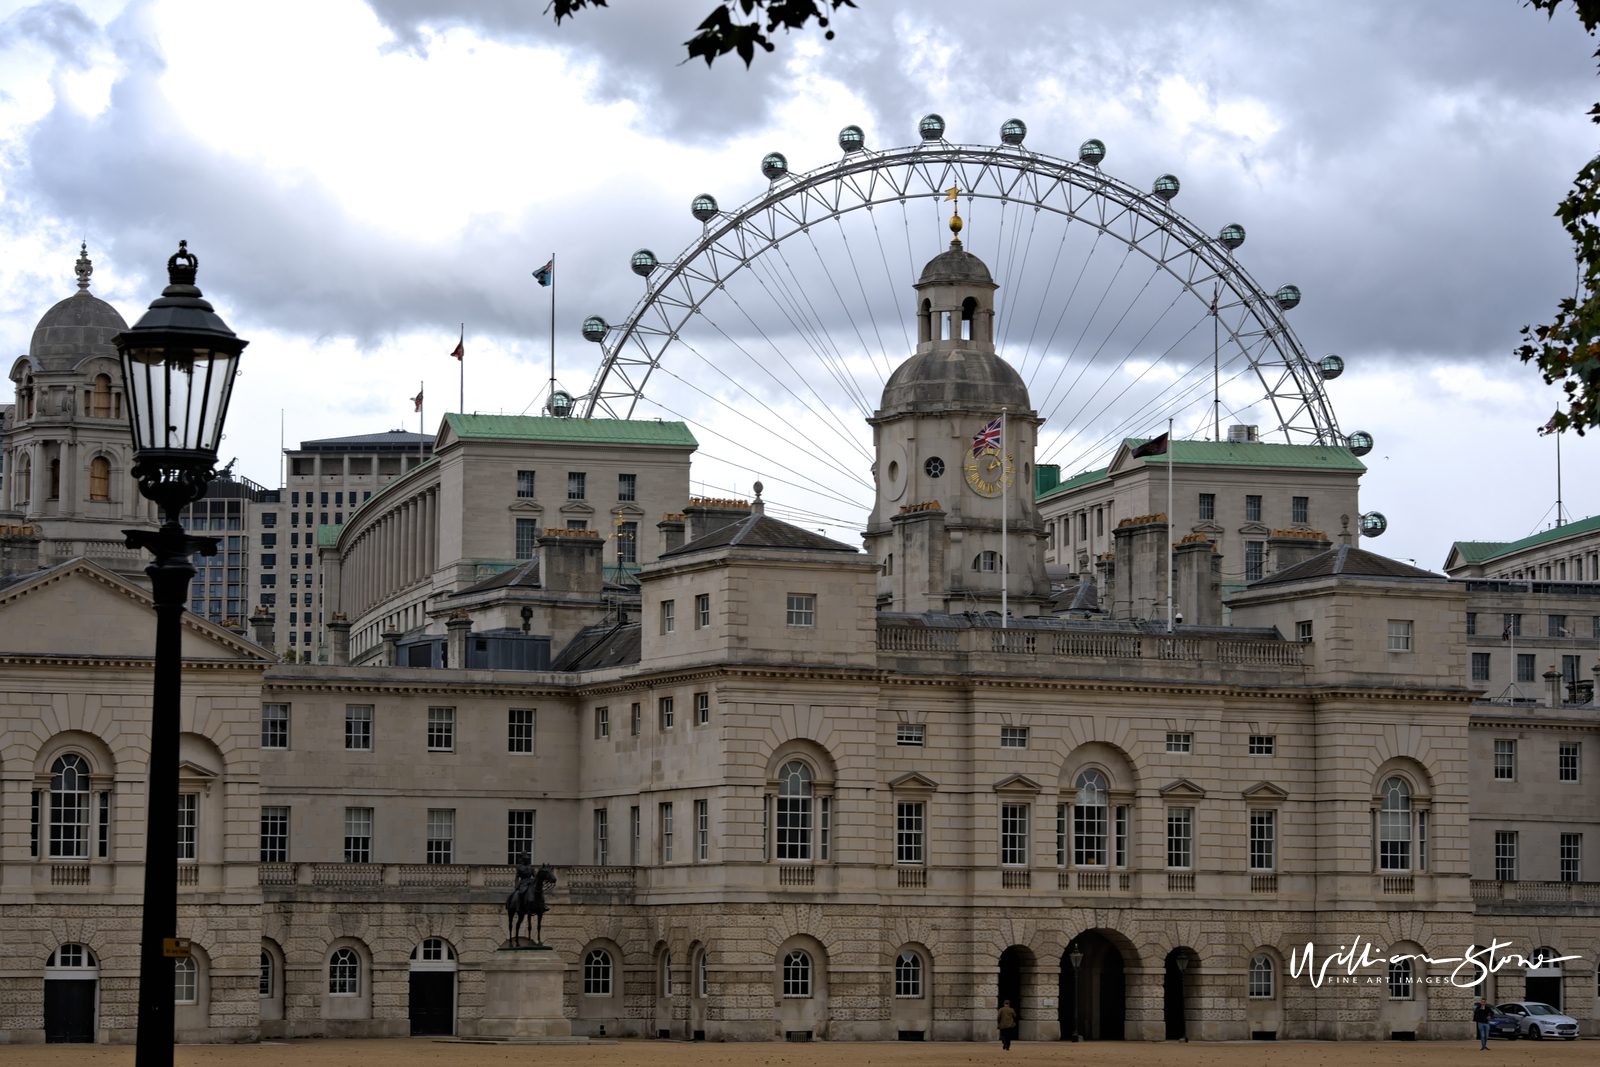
944, 483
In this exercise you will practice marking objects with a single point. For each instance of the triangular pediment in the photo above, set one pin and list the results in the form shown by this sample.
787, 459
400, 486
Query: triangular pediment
1208, 527
1255, 529
528, 505
1182, 787
79, 608
191, 769
630, 511
576, 507
1017, 783
914, 783
1265, 791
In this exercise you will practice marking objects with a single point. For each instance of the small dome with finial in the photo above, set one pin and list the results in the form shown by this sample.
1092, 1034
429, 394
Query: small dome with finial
78, 327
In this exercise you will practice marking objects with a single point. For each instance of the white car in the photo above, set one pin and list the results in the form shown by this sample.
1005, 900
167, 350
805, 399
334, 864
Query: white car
1538, 1020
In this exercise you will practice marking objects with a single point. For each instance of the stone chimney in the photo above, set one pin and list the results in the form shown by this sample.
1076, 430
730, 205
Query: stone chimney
918, 581
1345, 537
261, 628
708, 514
571, 563
671, 527
1198, 581
1552, 687
1143, 568
391, 648
459, 628
19, 550
339, 641
1288, 547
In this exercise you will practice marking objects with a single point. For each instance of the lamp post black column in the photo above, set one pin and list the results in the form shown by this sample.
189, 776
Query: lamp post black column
178, 366
1075, 954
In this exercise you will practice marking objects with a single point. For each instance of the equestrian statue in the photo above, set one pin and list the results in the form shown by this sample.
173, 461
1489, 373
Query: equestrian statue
528, 899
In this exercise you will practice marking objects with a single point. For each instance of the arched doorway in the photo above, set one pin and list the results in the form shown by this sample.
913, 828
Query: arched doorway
1174, 999
1094, 994
433, 989
71, 981
1012, 962
1543, 983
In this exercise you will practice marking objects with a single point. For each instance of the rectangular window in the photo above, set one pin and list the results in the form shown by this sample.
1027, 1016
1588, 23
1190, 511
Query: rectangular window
527, 537
1208, 507
1300, 509
635, 832
1255, 553
1120, 837
666, 713
1089, 832
358, 835
1505, 760
636, 720
1013, 737
525, 483
601, 819
702, 611
908, 833
576, 481
1252, 509
1505, 855
1263, 840
802, 610
1557, 626
1180, 838
909, 733
1061, 835
1180, 743
1303, 630
441, 835
1422, 840
1511, 625
702, 709
274, 726
627, 542
627, 487
669, 616
824, 826
519, 837
519, 730
1572, 857
1480, 666
1525, 667
441, 729
1262, 746
702, 829
1567, 758
105, 825
1472, 623
1399, 635
602, 723
666, 832
33, 828
188, 815
1014, 835
358, 727
1569, 669
274, 835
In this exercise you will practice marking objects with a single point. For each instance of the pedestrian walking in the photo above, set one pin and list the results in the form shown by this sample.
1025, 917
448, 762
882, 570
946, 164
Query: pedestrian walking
1480, 1015
1008, 1025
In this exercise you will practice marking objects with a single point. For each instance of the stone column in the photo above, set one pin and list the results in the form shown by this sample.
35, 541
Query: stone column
339, 641
459, 628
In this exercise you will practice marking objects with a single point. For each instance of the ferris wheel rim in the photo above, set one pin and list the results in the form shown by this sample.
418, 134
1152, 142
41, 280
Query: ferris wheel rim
1299, 385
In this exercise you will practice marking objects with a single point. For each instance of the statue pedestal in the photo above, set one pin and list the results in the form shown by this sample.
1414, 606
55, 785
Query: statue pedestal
522, 994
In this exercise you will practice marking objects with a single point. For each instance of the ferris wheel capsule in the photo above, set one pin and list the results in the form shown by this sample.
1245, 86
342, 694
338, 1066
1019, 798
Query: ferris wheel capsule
1360, 442
704, 207
1166, 186
1287, 296
644, 261
1231, 236
931, 127
774, 165
851, 139
1373, 523
1092, 151
1013, 131
595, 328
1331, 367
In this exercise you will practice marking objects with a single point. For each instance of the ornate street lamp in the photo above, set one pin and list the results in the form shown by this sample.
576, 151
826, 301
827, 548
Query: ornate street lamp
1075, 954
178, 365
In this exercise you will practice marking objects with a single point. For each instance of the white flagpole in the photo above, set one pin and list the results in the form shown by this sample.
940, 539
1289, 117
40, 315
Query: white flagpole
421, 416
1005, 497
1169, 526
462, 344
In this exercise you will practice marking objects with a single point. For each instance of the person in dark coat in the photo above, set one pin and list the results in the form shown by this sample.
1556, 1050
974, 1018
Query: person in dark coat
1008, 1025
1480, 1015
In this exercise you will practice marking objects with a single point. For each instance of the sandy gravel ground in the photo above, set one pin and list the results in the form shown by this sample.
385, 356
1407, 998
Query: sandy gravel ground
422, 1052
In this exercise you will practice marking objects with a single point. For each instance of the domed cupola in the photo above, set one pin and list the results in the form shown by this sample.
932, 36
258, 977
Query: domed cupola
77, 328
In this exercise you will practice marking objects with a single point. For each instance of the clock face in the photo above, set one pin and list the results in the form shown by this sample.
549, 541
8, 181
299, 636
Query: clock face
989, 473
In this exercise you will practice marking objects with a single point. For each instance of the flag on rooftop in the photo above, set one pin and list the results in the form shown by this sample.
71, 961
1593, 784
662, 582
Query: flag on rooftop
546, 274
461, 349
987, 439
1157, 447
417, 400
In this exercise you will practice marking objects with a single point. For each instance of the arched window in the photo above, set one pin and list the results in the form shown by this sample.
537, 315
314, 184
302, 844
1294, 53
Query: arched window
797, 974
344, 973
1400, 980
794, 811
968, 307
99, 478
924, 324
908, 976
69, 807
666, 974
597, 974
986, 561
888, 564
434, 950
102, 396
185, 981
24, 477
55, 480
1394, 826
73, 957
265, 986
701, 985
1262, 986
1089, 821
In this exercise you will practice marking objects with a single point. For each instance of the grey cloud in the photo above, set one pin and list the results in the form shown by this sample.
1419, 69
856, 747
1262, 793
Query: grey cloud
61, 27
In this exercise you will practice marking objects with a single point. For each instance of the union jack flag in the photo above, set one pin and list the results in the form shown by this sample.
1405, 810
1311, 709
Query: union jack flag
987, 439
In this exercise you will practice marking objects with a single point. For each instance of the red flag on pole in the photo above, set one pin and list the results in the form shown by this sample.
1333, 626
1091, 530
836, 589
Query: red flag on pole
461, 349
417, 400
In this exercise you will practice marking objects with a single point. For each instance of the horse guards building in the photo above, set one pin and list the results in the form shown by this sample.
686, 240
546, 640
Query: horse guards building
792, 789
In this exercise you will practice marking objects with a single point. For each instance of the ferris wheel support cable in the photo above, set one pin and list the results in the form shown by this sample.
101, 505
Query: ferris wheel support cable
803, 328
765, 428
828, 348
1065, 307
866, 350
1033, 332
1013, 271
865, 299
889, 277
1088, 323
1127, 354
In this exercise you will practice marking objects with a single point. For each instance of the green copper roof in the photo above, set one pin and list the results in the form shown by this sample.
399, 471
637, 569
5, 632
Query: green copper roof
1482, 551
581, 431
1073, 482
328, 534
1256, 454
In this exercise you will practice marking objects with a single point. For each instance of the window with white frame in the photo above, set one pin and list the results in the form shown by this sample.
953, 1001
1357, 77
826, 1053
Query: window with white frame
1013, 737
702, 611
667, 716
1262, 745
1572, 857
1399, 635
702, 709
264, 980
1181, 744
597, 973
519, 837
1262, 978
702, 829
796, 975
441, 729
802, 610
1400, 980
1567, 761
358, 835
69, 807
909, 733
1505, 759
702, 981
519, 731
666, 832
188, 823
441, 835
908, 976
525, 483
794, 811
1505, 855
908, 832
1394, 826
1263, 840
1014, 835
185, 981
274, 726
635, 835
601, 827
344, 973
1090, 820
1180, 838
358, 727
274, 835
602, 723
669, 616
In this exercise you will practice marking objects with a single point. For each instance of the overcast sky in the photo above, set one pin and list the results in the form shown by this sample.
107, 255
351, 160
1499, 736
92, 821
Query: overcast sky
360, 178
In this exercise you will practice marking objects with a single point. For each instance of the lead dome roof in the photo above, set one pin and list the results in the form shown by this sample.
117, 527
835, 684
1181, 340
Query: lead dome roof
956, 266
75, 329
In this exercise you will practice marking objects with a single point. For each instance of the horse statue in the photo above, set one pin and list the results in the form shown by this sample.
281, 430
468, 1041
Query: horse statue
528, 899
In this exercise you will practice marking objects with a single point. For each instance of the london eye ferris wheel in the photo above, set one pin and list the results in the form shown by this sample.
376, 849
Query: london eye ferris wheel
773, 332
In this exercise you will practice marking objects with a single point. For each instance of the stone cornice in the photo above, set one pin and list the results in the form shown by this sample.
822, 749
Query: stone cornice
139, 663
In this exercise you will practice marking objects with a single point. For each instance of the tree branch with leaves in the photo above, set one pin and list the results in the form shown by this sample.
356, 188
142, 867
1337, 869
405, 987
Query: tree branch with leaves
722, 31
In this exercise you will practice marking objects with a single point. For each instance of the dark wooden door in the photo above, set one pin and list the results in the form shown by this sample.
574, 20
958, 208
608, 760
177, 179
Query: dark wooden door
433, 1003
69, 1010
